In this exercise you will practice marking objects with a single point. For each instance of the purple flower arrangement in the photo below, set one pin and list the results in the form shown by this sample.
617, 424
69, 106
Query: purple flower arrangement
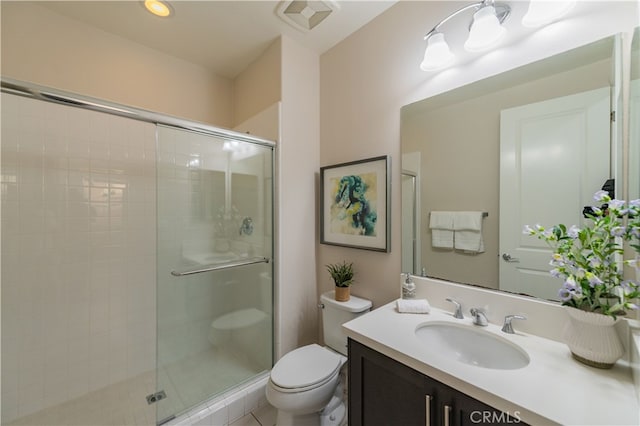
590, 261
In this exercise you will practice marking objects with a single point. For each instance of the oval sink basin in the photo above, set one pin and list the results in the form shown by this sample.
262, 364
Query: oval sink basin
471, 345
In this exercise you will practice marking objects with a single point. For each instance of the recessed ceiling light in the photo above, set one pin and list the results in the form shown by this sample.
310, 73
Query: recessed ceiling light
158, 8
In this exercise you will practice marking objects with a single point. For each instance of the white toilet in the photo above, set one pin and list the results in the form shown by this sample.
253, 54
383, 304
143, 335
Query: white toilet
305, 384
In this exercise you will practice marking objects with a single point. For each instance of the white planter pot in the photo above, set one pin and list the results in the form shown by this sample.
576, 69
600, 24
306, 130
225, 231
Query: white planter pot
592, 338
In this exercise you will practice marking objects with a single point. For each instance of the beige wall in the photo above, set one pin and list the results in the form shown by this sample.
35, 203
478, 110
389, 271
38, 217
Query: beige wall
258, 86
298, 163
264, 124
46, 48
368, 77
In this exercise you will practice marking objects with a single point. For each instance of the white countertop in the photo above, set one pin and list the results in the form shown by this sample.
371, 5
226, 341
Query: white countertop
552, 388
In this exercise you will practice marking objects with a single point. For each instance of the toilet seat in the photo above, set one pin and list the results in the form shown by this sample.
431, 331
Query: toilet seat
305, 368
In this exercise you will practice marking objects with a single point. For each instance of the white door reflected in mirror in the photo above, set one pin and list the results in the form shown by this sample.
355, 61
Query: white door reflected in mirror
554, 155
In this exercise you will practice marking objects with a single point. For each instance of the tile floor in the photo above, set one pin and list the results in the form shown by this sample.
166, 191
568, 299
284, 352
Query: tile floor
264, 416
85, 413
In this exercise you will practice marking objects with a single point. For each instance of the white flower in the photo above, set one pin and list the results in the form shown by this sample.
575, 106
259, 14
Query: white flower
573, 231
528, 230
616, 205
602, 196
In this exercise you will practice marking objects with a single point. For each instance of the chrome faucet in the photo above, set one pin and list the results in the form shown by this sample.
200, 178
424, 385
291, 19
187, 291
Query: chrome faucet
247, 226
479, 317
507, 327
458, 312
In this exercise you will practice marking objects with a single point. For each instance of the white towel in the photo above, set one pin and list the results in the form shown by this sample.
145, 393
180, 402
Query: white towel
441, 224
468, 232
413, 306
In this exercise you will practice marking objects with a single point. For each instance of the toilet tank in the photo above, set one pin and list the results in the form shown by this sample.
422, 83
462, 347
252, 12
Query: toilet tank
335, 313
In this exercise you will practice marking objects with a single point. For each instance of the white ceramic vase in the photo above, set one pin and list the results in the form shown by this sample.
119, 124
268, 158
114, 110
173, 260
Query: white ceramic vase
592, 338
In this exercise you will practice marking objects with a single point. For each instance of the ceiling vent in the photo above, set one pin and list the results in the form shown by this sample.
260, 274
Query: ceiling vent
305, 15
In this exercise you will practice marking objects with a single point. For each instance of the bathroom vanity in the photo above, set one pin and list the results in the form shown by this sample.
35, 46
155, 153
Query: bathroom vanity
398, 377
386, 392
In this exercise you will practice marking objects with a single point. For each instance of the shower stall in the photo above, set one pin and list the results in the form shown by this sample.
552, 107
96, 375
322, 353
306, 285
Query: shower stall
137, 261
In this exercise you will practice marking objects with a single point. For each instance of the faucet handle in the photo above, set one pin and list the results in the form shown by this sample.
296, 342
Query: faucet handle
507, 327
458, 312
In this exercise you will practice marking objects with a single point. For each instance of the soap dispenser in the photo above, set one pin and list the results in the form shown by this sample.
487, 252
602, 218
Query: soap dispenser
408, 287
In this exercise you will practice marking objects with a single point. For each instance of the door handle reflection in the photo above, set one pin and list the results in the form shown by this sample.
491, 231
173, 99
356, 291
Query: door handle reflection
507, 258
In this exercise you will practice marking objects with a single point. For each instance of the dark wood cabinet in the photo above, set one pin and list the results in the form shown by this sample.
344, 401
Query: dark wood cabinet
385, 392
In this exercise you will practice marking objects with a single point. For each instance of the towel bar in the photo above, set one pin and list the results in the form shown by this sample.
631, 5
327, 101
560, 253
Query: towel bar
485, 214
228, 265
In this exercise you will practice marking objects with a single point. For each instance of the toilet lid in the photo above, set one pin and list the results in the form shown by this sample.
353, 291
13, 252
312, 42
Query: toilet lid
305, 366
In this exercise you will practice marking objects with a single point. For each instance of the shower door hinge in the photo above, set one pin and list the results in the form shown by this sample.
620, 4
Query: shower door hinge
155, 397
612, 116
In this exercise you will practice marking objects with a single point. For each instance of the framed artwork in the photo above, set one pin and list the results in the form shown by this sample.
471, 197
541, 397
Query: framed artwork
355, 209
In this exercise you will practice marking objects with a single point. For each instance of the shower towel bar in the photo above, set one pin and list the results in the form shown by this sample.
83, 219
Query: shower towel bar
222, 266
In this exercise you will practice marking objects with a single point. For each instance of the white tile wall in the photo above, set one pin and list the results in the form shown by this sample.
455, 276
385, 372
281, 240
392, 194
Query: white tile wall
78, 252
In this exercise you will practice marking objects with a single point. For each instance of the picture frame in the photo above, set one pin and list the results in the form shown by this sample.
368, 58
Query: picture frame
355, 204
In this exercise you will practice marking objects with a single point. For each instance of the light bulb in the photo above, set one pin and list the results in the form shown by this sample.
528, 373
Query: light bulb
158, 8
437, 53
485, 30
541, 13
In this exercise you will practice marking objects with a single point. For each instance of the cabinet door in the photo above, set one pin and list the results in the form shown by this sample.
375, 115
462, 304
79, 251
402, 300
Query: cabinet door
459, 409
384, 392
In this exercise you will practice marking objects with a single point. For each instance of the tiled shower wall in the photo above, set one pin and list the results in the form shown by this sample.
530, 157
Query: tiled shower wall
78, 252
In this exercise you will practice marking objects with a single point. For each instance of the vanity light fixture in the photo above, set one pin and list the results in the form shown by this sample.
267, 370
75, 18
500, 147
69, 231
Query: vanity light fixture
437, 54
158, 8
486, 28
485, 31
542, 12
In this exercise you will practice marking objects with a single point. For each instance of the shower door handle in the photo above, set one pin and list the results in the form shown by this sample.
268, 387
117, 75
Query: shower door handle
219, 267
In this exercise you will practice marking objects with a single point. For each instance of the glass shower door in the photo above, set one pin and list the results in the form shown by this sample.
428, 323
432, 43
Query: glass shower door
214, 273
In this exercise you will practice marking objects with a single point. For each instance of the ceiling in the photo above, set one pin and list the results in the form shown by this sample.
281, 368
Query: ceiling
223, 36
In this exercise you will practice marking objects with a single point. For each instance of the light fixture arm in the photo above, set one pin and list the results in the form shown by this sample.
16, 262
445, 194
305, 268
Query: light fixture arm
502, 12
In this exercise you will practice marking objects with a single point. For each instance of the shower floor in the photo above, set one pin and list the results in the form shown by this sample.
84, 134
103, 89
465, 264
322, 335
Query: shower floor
186, 382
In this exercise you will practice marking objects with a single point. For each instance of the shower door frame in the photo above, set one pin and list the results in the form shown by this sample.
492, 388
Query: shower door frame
34, 91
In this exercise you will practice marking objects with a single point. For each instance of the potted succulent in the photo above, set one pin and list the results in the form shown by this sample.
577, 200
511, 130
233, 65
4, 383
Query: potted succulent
342, 275
594, 291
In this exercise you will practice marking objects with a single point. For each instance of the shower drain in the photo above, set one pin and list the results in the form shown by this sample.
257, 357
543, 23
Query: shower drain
155, 397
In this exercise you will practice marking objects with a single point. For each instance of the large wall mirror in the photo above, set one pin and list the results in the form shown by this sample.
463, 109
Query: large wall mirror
531, 145
634, 119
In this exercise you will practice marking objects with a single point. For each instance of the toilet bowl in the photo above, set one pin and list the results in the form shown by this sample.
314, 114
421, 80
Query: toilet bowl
305, 384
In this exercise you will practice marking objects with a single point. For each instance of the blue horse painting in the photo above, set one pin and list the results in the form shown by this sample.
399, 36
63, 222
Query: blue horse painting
353, 211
